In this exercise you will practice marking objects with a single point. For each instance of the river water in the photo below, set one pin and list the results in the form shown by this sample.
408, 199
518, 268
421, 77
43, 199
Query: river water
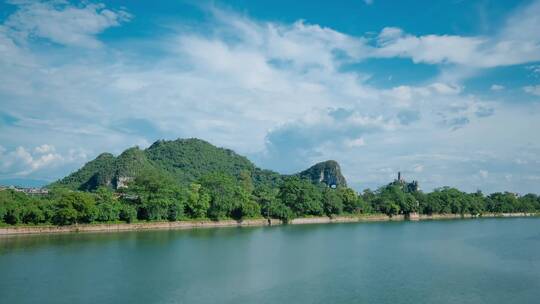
453, 261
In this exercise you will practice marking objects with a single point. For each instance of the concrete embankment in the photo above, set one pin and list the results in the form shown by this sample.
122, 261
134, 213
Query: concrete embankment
133, 226
232, 223
401, 217
346, 219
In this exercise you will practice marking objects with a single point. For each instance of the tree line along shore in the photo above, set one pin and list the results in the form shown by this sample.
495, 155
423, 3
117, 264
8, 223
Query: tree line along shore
219, 197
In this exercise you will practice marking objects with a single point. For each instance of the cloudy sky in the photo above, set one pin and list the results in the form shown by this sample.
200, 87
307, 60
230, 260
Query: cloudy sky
448, 92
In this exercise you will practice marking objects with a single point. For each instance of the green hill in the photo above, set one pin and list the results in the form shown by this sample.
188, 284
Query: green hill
184, 160
91, 171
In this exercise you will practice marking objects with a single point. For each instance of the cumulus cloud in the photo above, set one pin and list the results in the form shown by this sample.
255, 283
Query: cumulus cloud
405, 95
43, 149
318, 131
357, 142
22, 161
418, 168
393, 42
63, 23
496, 87
517, 42
483, 173
535, 69
533, 90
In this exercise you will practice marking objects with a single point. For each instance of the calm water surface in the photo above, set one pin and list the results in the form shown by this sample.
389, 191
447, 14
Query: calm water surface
459, 261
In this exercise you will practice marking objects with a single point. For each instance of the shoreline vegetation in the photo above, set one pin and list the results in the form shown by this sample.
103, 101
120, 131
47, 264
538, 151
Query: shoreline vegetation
201, 224
191, 183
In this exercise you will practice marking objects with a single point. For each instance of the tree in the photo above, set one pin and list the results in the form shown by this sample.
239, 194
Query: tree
46, 205
528, 203
246, 181
281, 211
3, 212
107, 205
12, 204
502, 202
393, 200
64, 212
128, 213
32, 214
176, 211
198, 202
332, 202
158, 197
247, 208
157, 208
74, 207
271, 206
352, 202
221, 189
476, 203
228, 198
65, 215
301, 196
387, 206
266, 197
86, 208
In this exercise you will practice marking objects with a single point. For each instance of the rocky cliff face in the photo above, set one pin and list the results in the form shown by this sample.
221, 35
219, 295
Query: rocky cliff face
327, 172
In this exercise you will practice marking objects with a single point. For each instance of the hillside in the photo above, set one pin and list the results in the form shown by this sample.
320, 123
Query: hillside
185, 160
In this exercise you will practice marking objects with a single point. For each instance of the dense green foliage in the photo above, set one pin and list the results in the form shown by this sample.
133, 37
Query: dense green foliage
89, 173
107, 170
156, 197
184, 160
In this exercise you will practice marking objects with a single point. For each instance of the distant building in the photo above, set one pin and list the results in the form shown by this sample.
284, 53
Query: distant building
29, 191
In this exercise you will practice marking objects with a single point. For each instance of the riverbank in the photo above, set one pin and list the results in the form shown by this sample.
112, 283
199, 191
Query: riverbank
15, 230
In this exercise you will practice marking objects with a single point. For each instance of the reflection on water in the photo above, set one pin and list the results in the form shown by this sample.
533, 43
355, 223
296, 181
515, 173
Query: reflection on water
464, 261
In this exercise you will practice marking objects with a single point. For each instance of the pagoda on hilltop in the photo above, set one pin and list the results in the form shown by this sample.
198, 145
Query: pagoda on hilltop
405, 186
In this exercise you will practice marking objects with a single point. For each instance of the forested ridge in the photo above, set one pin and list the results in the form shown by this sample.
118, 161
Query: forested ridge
191, 179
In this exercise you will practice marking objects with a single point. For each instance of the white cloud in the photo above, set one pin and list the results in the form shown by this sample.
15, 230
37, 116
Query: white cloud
496, 87
429, 49
274, 91
535, 69
520, 161
517, 42
357, 142
418, 168
22, 162
483, 173
533, 90
62, 22
44, 149
404, 96
300, 45
307, 139
446, 89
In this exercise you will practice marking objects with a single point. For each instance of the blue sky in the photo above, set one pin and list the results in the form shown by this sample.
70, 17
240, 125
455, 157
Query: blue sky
448, 92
